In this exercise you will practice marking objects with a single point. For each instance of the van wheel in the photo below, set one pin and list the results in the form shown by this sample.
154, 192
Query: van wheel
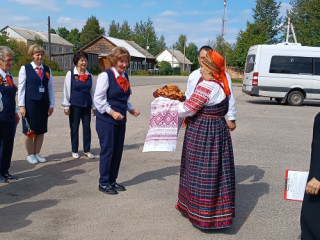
295, 98
278, 100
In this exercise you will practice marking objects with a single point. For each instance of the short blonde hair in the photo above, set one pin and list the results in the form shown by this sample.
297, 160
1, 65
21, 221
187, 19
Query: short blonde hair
35, 48
116, 54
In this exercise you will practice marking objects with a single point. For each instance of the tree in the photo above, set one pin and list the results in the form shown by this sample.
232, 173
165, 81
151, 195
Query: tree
114, 29
125, 31
91, 31
144, 34
192, 55
221, 46
180, 44
53, 31
264, 30
305, 19
74, 38
266, 15
63, 32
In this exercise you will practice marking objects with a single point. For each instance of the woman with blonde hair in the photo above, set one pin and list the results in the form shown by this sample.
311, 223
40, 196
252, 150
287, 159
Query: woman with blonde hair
36, 102
111, 99
207, 178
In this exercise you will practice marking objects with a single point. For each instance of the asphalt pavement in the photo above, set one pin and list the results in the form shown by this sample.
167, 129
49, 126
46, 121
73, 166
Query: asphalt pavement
60, 199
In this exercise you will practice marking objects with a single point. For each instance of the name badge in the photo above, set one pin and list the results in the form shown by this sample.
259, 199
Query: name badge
41, 89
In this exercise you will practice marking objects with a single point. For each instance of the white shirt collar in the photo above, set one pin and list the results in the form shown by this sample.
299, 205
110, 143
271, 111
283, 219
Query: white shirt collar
116, 73
35, 66
75, 71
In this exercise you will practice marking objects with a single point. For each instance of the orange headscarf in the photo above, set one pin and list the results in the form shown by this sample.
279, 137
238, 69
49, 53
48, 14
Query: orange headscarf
215, 64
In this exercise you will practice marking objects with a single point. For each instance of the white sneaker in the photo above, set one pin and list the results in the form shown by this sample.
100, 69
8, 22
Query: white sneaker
40, 159
32, 159
89, 155
75, 155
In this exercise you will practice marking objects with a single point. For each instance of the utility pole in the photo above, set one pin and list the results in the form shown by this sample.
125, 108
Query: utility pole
184, 53
224, 19
49, 38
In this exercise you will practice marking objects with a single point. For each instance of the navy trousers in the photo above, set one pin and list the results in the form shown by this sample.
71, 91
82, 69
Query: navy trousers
77, 114
111, 138
7, 132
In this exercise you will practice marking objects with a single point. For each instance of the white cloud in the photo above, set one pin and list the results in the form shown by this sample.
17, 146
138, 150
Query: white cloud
69, 23
84, 3
40, 4
169, 13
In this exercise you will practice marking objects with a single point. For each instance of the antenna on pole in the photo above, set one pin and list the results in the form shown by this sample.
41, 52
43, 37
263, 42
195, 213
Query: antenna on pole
224, 19
290, 26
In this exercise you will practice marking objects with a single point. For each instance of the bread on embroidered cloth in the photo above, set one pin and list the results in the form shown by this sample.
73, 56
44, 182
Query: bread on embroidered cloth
170, 91
164, 122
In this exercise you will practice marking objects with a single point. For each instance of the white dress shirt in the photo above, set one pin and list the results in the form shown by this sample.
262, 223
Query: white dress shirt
22, 86
67, 89
192, 82
100, 98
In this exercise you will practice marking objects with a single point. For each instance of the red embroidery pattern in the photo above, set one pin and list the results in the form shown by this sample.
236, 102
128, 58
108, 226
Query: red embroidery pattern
199, 98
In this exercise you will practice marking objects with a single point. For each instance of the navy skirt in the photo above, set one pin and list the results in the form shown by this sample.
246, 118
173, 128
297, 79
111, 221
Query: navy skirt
37, 116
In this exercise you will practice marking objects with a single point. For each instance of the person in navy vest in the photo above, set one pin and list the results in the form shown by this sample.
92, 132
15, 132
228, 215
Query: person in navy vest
111, 99
9, 117
77, 101
36, 102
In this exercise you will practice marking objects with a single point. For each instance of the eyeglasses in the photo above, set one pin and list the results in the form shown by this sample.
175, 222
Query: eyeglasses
8, 60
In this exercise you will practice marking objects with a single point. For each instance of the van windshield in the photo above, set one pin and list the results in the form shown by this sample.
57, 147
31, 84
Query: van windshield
250, 63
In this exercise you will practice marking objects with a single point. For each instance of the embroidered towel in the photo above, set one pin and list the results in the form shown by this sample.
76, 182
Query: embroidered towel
163, 126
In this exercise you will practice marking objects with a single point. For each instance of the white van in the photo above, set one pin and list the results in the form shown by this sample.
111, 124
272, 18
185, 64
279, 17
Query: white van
287, 72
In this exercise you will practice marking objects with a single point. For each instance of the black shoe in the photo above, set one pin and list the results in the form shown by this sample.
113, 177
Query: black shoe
3, 179
11, 177
108, 189
118, 187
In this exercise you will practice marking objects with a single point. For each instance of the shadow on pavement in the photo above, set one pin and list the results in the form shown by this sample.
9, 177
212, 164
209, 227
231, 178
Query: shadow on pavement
15, 216
32, 182
158, 174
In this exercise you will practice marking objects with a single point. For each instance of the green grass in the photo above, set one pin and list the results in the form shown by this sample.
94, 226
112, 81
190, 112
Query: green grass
236, 80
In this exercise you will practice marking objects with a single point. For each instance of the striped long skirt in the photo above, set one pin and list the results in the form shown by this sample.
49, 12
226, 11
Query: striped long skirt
207, 177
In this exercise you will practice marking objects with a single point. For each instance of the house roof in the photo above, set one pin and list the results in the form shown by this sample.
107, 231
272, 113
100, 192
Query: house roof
123, 43
140, 49
29, 34
134, 49
179, 56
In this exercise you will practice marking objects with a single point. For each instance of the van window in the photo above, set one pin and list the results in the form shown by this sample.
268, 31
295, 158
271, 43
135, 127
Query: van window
317, 66
250, 63
291, 65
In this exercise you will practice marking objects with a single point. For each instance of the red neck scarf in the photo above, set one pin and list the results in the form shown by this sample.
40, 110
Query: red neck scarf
9, 81
83, 77
122, 82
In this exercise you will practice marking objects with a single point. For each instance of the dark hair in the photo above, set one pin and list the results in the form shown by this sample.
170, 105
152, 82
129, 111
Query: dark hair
78, 55
206, 48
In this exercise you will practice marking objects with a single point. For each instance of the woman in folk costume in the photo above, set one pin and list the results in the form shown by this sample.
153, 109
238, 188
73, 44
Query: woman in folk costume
36, 102
9, 117
310, 212
111, 99
207, 177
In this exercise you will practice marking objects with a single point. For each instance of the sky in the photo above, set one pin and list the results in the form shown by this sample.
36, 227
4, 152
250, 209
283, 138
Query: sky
199, 20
